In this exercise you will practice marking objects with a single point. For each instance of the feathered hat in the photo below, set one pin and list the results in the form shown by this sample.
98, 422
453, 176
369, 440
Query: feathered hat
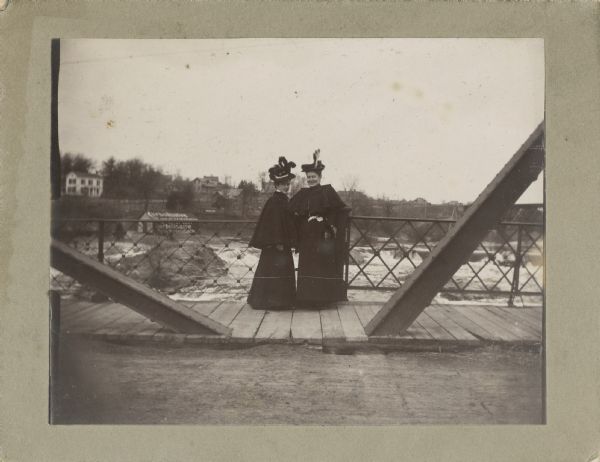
282, 171
316, 166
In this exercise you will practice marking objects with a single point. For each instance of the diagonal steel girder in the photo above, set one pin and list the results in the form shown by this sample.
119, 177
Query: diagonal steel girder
408, 302
123, 289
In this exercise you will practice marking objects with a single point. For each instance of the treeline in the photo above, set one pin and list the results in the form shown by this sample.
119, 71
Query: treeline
136, 179
132, 179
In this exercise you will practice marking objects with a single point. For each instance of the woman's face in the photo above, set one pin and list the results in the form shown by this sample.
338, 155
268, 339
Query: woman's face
313, 178
283, 187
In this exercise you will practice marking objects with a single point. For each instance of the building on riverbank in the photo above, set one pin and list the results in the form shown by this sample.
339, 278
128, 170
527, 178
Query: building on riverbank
163, 223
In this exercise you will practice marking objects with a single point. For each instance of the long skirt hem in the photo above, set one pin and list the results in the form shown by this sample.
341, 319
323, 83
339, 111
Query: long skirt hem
273, 286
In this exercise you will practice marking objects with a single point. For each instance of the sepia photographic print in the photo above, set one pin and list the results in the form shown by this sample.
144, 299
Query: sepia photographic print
297, 231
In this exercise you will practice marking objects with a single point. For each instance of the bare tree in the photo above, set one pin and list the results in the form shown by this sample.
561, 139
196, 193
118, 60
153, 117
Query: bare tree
387, 206
248, 194
350, 185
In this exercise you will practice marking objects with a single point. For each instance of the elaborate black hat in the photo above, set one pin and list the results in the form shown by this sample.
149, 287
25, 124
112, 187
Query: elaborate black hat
282, 171
316, 166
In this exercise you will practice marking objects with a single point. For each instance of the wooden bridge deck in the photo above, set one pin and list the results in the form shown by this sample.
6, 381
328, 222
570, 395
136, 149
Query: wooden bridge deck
437, 326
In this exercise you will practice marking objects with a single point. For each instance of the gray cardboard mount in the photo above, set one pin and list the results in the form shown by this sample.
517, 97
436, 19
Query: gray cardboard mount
571, 33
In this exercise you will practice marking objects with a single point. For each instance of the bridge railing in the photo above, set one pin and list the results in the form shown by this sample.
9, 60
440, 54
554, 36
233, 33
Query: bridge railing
383, 251
188, 258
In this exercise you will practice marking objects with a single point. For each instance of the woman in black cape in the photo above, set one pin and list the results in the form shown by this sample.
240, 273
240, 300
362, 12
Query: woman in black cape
316, 209
274, 286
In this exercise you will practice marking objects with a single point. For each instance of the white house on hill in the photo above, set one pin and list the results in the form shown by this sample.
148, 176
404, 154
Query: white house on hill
83, 184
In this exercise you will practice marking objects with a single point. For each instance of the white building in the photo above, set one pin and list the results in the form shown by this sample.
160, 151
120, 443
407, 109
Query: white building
84, 184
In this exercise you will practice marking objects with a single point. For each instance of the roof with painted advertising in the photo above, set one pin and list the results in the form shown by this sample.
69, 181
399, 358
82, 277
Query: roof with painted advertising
164, 216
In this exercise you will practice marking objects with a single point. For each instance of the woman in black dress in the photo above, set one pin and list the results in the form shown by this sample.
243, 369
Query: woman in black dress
274, 286
316, 209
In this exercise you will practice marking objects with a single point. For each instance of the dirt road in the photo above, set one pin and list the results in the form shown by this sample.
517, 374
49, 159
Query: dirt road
102, 382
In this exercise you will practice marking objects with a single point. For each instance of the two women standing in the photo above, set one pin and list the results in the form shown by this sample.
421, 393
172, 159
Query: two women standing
306, 223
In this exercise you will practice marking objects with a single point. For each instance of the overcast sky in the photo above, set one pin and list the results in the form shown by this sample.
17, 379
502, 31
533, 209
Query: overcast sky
432, 118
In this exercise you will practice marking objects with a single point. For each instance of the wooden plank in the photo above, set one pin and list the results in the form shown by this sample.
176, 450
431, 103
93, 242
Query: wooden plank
306, 325
227, 311
468, 324
497, 331
532, 315
106, 312
111, 320
516, 313
150, 329
130, 319
499, 321
78, 309
458, 332
353, 329
514, 318
462, 239
205, 308
146, 327
417, 331
376, 308
99, 318
130, 328
247, 322
275, 325
523, 332
69, 302
535, 315
162, 331
437, 331
125, 290
331, 325
535, 311
365, 313
68, 322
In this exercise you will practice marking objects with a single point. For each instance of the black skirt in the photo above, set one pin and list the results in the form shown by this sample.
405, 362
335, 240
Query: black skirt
318, 281
273, 286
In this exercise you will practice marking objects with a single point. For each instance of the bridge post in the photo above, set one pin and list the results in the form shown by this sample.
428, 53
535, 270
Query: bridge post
341, 252
516, 270
55, 175
54, 342
101, 241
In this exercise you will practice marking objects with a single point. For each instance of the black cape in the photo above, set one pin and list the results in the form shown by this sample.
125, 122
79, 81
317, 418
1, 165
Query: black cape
275, 224
274, 286
319, 279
